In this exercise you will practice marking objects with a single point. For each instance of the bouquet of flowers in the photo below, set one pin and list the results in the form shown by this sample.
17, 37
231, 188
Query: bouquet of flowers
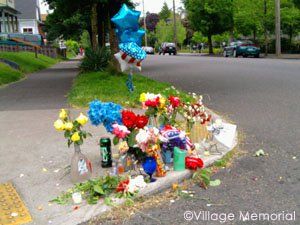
195, 112
154, 104
72, 129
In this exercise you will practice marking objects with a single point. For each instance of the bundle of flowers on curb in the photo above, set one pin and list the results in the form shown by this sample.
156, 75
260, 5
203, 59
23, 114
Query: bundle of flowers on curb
154, 142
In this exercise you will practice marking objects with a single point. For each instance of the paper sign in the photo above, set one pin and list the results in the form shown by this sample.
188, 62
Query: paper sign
227, 134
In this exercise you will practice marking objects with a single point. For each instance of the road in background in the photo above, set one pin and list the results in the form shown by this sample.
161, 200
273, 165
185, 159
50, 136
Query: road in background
262, 97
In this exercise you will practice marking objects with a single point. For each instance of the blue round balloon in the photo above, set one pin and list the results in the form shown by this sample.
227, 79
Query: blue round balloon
133, 50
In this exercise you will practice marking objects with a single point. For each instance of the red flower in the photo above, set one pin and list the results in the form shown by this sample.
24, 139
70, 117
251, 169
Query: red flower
152, 102
141, 121
193, 163
122, 186
175, 101
128, 119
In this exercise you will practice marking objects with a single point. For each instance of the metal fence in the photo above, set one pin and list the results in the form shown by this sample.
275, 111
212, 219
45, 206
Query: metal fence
44, 50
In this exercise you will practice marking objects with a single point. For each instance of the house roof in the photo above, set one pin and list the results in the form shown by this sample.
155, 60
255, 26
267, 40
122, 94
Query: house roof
9, 9
28, 9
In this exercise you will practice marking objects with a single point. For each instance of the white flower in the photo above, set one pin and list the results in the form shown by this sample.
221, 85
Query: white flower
136, 184
142, 136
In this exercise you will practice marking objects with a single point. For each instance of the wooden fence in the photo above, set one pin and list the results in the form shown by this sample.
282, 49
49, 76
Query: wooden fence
44, 50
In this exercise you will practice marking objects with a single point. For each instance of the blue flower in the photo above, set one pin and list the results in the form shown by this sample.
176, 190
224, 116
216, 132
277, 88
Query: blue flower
106, 113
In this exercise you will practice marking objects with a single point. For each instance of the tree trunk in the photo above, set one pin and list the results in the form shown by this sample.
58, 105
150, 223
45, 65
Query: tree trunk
254, 35
211, 50
94, 24
114, 44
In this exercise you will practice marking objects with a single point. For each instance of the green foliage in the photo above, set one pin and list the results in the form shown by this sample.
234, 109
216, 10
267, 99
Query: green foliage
85, 40
92, 190
202, 177
165, 12
210, 17
95, 60
9, 75
199, 38
27, 61
104, 86
72, 46
165, 31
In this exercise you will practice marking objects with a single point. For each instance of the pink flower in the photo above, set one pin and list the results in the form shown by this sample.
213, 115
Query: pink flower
120, 131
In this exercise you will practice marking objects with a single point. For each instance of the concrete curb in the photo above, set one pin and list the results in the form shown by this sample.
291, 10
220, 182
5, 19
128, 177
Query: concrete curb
87, 212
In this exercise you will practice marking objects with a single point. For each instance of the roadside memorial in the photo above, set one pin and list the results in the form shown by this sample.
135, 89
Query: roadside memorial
141, 148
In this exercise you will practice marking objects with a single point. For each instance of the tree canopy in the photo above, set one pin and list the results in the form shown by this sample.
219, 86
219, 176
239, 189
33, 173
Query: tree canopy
210, 17
165, 12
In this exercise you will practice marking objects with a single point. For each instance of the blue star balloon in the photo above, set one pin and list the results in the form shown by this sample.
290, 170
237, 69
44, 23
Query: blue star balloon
126, 18
132, 36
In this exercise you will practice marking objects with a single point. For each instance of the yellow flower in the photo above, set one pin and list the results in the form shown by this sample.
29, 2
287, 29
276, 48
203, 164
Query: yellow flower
59, 125
63, 114
162, 102
143, 97
68, 126
82, 119
75, 137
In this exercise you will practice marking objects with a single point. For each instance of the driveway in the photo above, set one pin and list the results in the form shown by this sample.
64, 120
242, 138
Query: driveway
262, 97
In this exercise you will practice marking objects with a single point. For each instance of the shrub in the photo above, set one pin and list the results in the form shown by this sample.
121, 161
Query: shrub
72, 46
95, 60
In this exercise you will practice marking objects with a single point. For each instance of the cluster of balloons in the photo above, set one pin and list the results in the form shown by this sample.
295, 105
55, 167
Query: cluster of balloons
130, 38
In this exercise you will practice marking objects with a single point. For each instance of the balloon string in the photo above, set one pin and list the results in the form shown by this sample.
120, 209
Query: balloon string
129, 82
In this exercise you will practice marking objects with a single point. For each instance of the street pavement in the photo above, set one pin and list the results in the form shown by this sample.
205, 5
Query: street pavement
262, 97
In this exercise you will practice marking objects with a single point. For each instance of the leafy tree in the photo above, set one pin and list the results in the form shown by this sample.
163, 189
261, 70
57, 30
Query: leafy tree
290, 19
151, 20
297, 3
210, 17
165, 12
71, 17
165, 31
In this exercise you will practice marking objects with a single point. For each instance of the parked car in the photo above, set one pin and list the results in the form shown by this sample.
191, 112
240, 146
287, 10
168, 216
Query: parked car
149, 50
242, 48
8, 39
168, 48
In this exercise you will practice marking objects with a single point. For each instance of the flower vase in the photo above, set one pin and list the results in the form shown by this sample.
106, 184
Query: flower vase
154, 152
81, 167
153, 121
198, 133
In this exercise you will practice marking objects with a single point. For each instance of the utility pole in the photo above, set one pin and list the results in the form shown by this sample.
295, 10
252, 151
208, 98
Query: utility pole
174, 21
277, 28
145, 25
265, 28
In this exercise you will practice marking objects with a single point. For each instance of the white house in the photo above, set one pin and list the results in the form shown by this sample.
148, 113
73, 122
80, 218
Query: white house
30, 17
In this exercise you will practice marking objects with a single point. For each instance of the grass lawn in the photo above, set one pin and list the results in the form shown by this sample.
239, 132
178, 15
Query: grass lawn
112, 88
8, 75
27, 61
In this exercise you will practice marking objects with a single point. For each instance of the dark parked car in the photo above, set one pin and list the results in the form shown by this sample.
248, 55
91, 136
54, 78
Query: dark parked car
242, 48
149, 50
168, 48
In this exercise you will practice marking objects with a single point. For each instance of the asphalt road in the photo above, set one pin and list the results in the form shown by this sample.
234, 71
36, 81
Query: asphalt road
262, 97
